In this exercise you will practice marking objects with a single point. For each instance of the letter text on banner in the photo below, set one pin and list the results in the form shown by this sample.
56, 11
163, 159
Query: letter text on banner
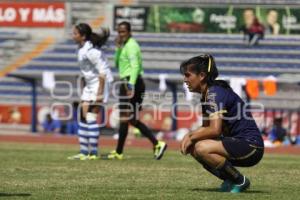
32, 14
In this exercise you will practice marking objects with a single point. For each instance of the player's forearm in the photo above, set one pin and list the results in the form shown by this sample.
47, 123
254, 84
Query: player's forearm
205, 123
101, 85
135, 70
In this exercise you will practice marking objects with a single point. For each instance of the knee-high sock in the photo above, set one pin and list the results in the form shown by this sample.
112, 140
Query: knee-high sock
212, 170
83, 138
93, 132
123, 131
231, 172
146, 132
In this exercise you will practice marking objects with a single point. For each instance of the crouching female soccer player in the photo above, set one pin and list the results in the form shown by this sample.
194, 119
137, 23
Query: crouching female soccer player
97, 77
229, 136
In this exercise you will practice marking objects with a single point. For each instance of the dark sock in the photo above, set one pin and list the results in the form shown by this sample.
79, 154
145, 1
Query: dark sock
146, 132
123, 131
231, 172
212, 170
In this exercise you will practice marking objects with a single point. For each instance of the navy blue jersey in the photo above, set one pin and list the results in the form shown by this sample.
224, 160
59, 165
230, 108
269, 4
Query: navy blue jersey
237, 120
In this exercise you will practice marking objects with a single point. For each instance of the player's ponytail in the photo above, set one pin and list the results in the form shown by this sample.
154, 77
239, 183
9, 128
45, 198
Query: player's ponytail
97, 39
212, 73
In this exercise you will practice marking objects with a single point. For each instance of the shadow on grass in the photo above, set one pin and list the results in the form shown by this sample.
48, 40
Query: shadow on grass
217, 190
205, 190
14, 194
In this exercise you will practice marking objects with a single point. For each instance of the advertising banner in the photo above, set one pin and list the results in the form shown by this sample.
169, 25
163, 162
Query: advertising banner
224, 19
136, 16
29, 14
155, 119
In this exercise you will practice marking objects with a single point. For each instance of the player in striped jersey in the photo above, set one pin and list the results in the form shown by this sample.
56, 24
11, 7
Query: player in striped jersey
97, 77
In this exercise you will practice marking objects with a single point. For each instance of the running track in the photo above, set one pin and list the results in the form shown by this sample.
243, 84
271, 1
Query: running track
109, 142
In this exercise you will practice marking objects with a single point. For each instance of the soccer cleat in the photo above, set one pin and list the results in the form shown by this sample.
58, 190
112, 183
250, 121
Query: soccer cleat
226, 186
114, 156
93, 157
80, 156
159, 150
237, 188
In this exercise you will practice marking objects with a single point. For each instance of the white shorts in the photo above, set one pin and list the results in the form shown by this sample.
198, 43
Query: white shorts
90, 92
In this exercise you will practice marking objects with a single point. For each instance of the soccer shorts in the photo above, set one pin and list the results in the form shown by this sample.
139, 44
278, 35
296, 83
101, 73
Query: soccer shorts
134, 103
90, 91
242, 153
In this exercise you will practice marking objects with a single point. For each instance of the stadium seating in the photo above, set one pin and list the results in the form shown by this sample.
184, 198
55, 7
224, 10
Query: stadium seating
162, 54
9, 45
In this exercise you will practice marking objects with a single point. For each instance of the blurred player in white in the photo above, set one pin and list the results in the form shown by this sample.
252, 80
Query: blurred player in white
97, 77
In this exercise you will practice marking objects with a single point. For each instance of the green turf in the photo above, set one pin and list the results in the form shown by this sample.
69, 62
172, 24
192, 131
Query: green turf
35, 171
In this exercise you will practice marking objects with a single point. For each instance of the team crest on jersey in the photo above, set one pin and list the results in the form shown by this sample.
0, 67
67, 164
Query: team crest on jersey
211, 99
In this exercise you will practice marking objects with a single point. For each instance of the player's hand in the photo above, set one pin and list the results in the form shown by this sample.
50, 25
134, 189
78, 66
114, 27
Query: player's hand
130, 90
130, 93
186, 144
118, 42
99, 99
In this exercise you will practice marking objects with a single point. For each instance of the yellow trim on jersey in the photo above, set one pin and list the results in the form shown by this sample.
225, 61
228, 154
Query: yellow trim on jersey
246, 156
216, 113
25, 58
256, 147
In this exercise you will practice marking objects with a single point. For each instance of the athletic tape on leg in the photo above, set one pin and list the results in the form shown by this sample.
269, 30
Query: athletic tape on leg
91, 117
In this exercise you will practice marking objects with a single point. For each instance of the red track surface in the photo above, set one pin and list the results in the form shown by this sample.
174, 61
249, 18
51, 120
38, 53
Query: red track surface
108, 141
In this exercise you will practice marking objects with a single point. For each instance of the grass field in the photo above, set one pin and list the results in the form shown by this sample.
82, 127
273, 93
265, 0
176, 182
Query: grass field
36, 171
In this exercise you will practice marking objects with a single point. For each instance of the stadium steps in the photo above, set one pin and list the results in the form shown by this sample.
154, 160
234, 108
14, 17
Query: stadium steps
70, 50
155, 56
13, 36
173, 67
274, 56
85, 12
263, 58
10, 46
25, 53
17, 92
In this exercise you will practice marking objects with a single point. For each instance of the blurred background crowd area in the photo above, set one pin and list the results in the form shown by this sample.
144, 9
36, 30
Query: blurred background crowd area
39, 73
